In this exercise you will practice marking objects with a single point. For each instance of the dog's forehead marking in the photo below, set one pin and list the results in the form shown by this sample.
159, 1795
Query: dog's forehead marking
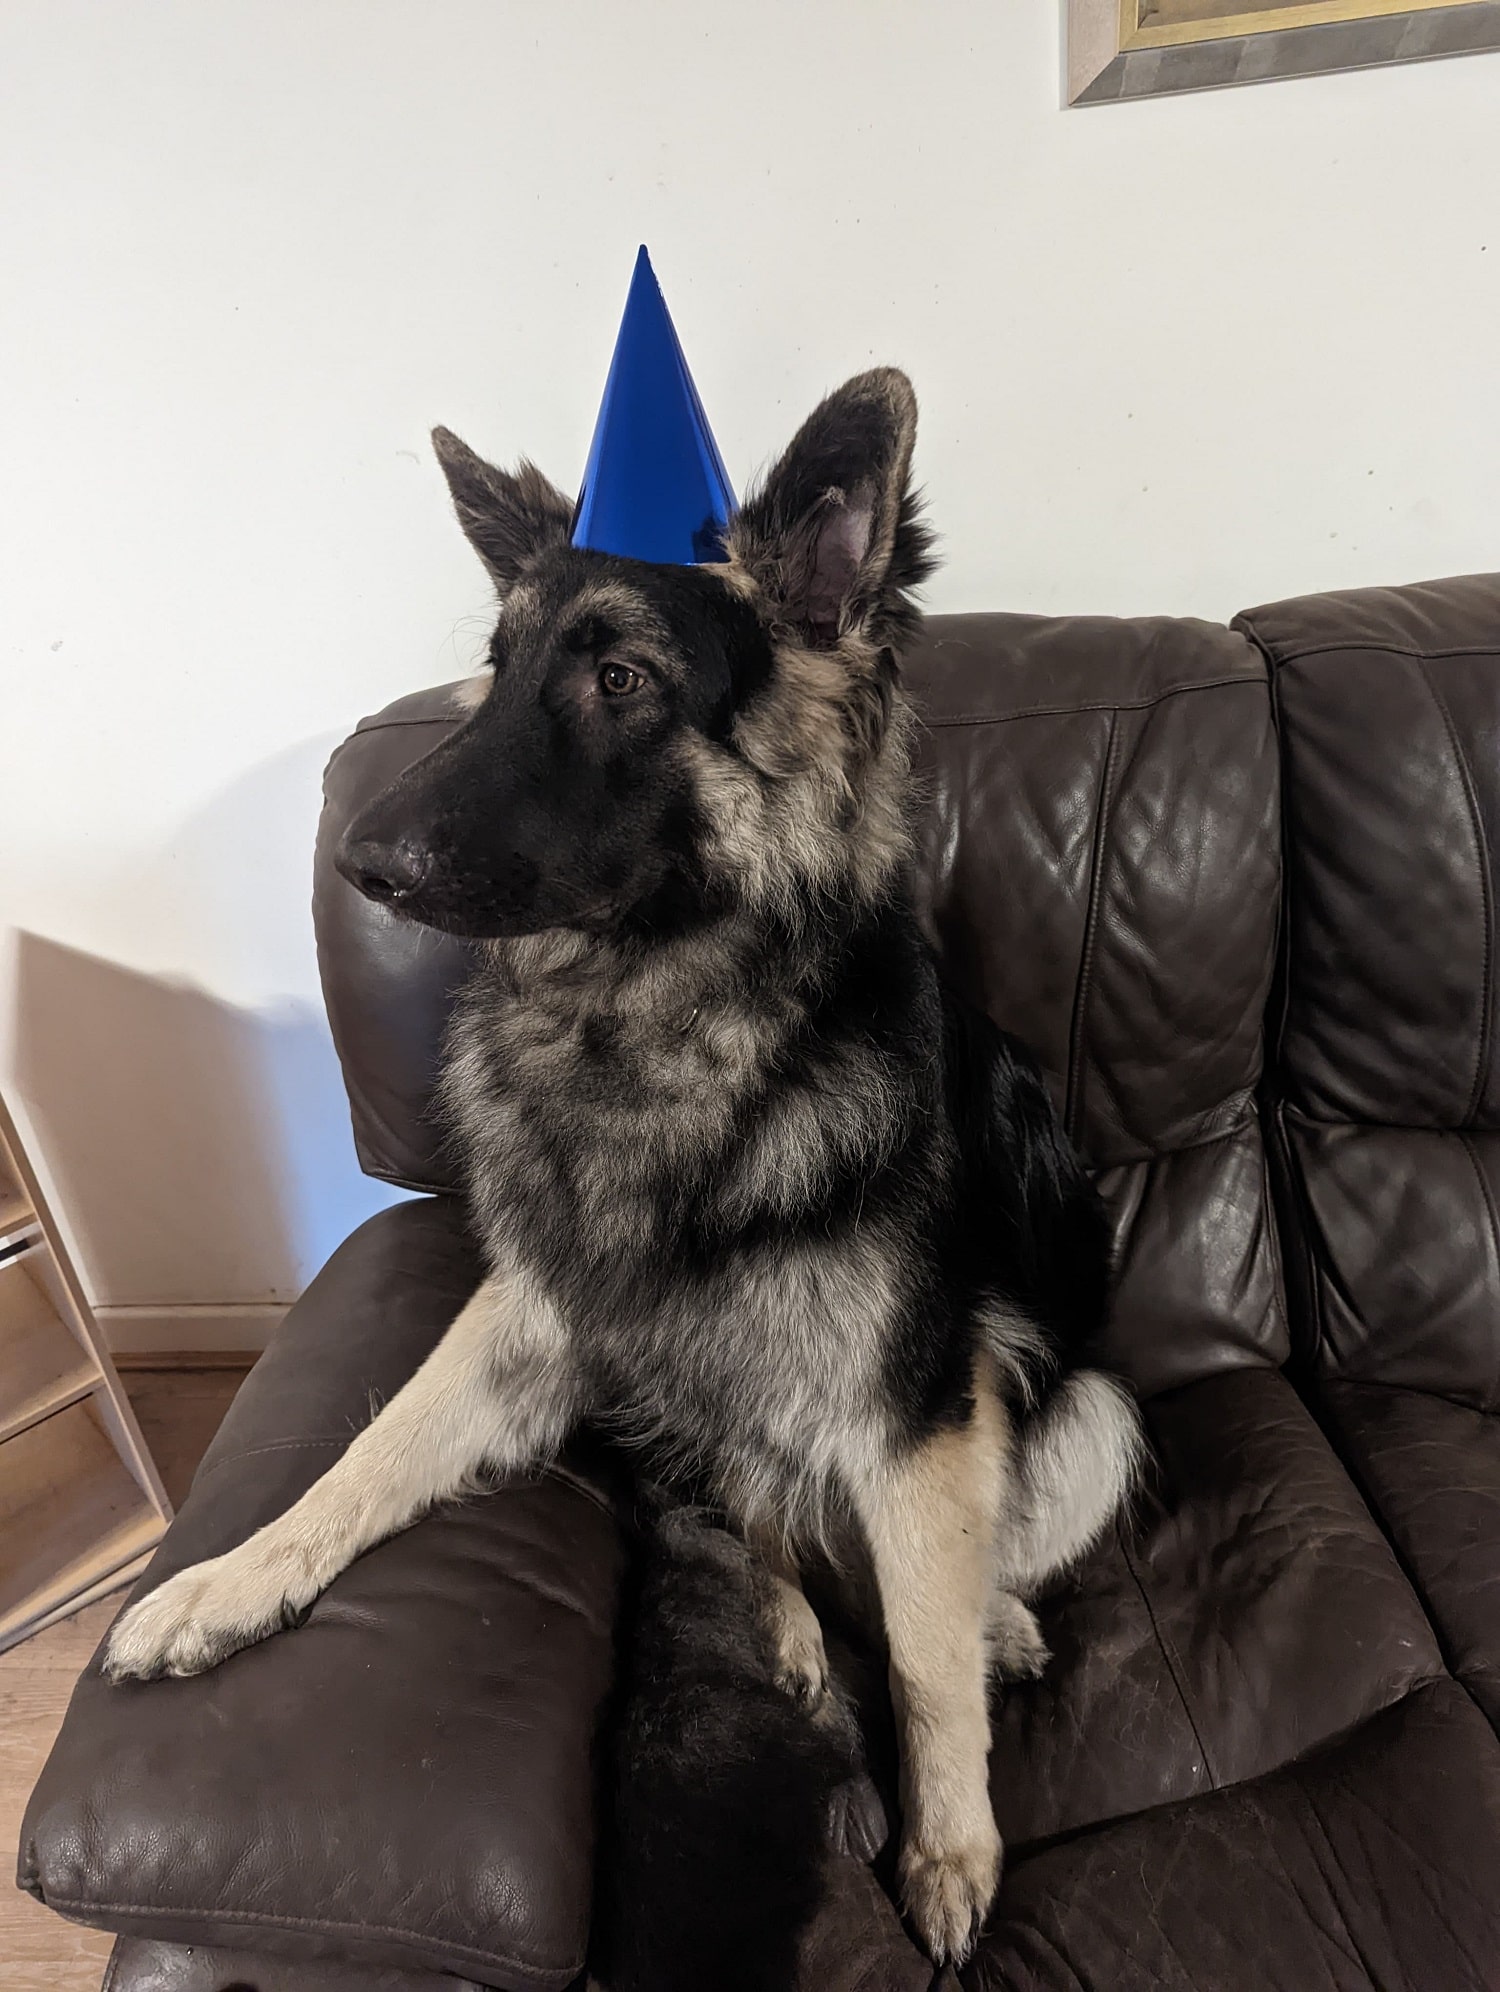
535, 614
625, 609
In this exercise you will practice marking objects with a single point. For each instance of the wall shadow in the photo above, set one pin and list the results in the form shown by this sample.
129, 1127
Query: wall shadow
201, 1150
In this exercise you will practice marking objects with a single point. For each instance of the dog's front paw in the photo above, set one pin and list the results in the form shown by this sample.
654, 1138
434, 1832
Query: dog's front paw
801, 1661
1017, 1649
198, 1618
947, 1891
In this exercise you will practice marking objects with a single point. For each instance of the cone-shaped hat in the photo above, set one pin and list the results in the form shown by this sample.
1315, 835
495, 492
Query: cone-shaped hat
655, 487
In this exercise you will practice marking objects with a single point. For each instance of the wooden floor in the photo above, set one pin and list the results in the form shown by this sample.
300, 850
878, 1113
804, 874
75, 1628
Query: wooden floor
179, 1410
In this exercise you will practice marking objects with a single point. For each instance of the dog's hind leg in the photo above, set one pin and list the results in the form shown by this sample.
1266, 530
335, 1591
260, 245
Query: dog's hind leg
499, 1390
801, 1662
1077, 1464
929, 1517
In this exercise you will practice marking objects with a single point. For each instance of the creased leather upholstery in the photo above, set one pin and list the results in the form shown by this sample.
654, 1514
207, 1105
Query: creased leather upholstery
1389, 704
408, 1779
1259, 1759
1315, 1879
1251, 1613
1104, 870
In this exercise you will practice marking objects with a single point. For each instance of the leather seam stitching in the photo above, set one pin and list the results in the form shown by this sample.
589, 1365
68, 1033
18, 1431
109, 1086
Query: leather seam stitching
1319, 1123
259, 1918
1074, 1104
1066, 709
1170, 1657
1252, 680
1346, 647
1476, 827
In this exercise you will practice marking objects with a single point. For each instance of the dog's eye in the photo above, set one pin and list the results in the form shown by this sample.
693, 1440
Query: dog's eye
619, 679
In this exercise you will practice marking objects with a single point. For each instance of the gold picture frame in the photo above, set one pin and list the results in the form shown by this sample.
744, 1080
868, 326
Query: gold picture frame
1146, 48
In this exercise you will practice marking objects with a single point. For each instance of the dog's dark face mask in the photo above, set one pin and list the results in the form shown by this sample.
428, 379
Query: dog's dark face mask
563, 801
573, 793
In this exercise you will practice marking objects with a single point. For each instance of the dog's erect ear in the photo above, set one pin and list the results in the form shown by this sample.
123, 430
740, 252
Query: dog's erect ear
507, 516
833, 540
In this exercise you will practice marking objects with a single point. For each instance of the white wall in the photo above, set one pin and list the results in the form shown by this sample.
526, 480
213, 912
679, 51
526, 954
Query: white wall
1183, 355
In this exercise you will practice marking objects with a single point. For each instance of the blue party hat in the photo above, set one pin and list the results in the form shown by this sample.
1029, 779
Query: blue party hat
655, 487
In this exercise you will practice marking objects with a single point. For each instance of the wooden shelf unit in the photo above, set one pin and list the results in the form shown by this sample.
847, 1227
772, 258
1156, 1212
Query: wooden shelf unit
81, 1504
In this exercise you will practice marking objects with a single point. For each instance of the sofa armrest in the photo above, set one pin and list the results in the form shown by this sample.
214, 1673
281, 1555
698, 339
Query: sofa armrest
404, 1782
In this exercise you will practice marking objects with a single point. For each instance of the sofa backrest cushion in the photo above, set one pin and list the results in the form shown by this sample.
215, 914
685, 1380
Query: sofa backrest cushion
1100, 844
1387, 1018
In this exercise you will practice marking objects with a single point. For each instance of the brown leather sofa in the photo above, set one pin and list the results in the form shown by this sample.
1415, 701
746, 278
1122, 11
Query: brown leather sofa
1237, 888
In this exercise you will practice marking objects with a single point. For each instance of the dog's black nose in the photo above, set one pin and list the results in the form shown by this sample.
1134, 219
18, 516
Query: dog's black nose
390, 873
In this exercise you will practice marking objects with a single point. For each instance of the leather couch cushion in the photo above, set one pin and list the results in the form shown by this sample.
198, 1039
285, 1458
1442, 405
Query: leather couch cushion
1389, 707
1102, 856
1388, 1063
1101, 860
407, 1780
1405, 1277
1369, 1864
1250, 1611
1198, 1285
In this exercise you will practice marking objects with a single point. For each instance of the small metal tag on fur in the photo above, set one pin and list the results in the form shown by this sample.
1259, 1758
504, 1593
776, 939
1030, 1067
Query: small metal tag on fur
655, 487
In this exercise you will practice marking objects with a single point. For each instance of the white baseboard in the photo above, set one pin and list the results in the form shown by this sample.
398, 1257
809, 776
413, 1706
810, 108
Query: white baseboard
149, 1331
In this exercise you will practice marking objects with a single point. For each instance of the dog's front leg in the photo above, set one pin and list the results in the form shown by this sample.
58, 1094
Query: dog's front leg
929, 1518
500, 1389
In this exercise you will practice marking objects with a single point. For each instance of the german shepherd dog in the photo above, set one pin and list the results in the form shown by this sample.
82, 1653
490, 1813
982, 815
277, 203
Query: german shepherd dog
754, 1189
